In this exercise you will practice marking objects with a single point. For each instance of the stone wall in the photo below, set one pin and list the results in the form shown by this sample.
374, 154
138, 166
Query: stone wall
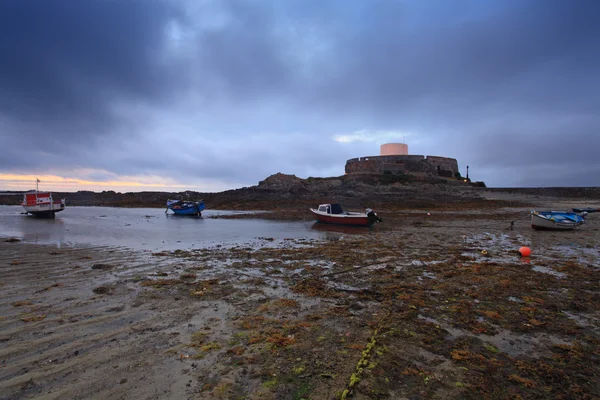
448, 164
401, 163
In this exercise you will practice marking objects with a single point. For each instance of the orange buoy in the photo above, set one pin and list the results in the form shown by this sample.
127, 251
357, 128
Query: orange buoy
525, 251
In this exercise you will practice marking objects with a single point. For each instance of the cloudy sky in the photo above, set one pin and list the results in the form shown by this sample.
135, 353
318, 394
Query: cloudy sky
210, 95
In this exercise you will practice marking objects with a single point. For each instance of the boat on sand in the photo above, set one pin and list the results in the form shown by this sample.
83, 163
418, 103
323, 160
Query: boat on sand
556, 220
335, 214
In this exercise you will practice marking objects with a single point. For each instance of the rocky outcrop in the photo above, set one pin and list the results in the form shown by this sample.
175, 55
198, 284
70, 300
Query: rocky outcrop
287, 191
282, 183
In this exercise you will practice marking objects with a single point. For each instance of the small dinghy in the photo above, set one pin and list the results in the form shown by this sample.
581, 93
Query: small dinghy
556, 220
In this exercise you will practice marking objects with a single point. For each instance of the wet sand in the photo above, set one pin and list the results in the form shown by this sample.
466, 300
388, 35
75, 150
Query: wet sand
414, 308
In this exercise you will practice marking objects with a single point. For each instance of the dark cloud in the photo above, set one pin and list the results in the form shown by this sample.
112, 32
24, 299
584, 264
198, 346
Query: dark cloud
239, 89
65, 63
515, 52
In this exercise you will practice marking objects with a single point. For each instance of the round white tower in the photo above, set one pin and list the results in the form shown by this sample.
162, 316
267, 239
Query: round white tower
394, 149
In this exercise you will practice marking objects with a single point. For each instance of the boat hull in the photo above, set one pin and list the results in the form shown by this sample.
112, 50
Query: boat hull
186, 211
44, 214
350, 219
186, 208
557, 222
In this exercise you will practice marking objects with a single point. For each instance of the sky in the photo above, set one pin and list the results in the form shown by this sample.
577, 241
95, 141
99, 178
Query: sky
210, 95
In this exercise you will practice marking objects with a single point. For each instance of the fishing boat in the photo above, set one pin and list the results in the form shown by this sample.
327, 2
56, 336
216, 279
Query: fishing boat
185, 207
335, 214
556, 220
41, 204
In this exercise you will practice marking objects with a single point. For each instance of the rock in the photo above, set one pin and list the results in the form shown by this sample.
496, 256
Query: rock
102, 266
102, 290
281, 182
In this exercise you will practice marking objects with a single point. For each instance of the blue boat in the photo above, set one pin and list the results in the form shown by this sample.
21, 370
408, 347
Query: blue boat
556, 220
185, 207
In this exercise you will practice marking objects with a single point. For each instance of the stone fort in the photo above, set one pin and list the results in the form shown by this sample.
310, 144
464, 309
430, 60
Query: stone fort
394, 158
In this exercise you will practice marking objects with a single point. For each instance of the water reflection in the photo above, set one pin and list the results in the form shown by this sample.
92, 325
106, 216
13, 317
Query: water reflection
48, 230
347, 229
148, 228
168, 215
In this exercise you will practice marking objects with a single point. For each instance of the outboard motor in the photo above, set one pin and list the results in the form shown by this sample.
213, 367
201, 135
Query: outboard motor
372, 216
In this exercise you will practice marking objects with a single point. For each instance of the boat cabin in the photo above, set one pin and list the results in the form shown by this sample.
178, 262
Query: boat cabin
42, 204
335, 209
37, 198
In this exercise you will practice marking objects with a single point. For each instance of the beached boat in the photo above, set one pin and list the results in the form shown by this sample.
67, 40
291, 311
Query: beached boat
42, 204
185, 207
556, 220
334, 214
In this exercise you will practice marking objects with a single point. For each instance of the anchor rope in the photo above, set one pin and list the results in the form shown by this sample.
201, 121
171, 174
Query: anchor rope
364, 360
512, 223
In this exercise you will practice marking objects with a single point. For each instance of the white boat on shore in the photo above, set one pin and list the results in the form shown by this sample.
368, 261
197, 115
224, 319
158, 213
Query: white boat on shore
334, 214
556, 220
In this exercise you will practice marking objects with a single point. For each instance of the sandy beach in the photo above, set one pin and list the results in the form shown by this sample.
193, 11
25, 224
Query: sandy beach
420, 307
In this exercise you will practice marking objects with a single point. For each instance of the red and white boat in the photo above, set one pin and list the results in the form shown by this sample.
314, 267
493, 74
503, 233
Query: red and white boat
42, 204
334, 214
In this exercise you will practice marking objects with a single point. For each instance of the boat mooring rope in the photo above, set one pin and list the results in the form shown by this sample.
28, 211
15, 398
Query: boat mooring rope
512, 223
350, 270
364, 360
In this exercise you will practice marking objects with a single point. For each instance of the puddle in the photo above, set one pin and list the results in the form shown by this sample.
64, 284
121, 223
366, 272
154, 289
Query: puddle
505, 341
514, 299
502, 241
454, 332
580, 321
342, 286
550, 271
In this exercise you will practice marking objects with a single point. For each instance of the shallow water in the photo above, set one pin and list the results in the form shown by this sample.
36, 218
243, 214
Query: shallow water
152, 229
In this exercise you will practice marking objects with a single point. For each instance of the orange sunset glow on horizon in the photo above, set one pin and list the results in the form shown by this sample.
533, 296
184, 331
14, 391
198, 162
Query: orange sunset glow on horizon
25, 182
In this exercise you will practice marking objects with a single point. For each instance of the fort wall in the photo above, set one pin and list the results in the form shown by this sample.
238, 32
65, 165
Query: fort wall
401, 163
448, 164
